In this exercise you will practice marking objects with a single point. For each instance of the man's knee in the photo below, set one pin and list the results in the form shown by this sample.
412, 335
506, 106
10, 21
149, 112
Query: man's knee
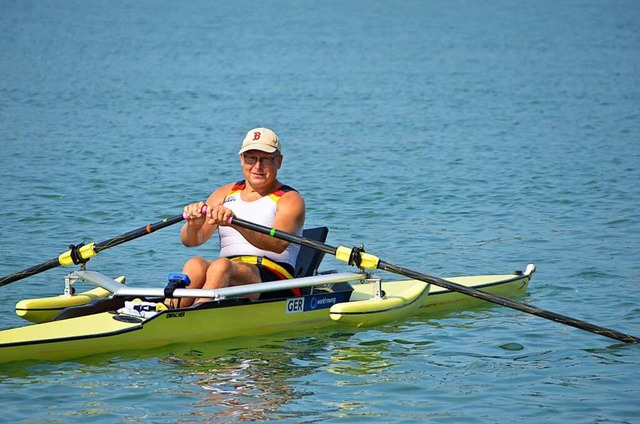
197, 262
220, 265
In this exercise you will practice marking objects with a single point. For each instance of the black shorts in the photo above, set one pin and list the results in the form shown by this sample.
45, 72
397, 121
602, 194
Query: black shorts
267, 275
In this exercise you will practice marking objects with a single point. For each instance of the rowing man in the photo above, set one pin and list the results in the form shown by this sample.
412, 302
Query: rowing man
246, 256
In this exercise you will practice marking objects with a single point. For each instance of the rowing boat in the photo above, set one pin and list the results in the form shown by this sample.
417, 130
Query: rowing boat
114, 317
132, 318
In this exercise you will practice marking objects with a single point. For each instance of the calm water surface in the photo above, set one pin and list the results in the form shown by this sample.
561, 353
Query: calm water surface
451, 137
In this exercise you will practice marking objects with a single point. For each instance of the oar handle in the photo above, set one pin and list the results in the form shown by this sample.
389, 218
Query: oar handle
190, 217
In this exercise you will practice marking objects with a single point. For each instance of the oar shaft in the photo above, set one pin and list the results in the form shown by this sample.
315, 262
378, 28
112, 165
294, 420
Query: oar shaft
139, 232
373, 262
25, 273
509, 303
88, 251
283, 235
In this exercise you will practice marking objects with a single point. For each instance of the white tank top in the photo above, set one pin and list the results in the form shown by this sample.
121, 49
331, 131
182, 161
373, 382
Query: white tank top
261, 211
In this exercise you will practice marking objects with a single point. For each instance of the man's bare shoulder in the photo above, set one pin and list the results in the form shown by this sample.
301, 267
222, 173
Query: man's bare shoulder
292, 195
292, 201
220, 193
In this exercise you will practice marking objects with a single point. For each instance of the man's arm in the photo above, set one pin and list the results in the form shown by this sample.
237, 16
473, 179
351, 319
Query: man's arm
200, 228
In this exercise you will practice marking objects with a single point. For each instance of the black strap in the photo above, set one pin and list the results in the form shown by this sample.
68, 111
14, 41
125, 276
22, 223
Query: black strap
355, 258
76, 256
172, 286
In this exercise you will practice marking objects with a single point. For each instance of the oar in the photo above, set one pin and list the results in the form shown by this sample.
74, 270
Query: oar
82, 253
355, 256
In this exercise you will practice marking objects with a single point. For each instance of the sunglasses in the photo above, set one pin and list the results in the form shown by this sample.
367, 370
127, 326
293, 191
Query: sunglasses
265, 160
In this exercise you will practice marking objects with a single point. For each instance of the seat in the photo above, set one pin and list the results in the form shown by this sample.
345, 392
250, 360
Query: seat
307, 263
308, 258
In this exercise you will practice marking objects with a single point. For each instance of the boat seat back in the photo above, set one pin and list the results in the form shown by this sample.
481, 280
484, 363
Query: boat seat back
308, 258
307, 263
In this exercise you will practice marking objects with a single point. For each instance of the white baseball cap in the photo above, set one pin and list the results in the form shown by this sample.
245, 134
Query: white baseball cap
262, 139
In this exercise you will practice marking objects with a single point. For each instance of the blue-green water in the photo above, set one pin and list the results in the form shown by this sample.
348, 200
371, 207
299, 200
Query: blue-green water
451, 137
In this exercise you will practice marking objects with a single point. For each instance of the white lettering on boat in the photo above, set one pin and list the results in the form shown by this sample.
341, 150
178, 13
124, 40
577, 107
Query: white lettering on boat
297, 305
326, 300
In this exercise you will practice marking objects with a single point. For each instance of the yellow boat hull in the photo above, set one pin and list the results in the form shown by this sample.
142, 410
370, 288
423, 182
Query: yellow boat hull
365, 310
113, 332
45, 309
442, 300
110, 331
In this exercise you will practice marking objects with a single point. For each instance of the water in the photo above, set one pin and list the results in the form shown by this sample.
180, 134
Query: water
451, 137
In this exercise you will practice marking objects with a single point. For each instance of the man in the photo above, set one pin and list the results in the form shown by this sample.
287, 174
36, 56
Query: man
246, 256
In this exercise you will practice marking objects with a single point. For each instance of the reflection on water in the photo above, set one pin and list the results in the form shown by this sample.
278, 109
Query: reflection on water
265, 379
242, 389
253, 381
372, 357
